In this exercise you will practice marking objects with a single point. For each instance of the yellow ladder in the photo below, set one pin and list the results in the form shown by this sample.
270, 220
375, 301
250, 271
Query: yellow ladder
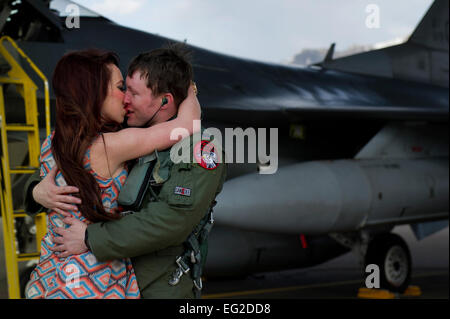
27, 89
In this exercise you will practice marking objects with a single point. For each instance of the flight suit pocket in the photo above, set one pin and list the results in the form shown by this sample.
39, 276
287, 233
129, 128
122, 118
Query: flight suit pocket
181, 189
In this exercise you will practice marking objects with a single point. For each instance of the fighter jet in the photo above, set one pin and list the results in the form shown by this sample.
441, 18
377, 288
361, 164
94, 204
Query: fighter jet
361, 141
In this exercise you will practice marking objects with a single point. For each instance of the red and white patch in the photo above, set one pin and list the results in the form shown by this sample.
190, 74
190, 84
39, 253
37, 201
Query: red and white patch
205, 154
182, 191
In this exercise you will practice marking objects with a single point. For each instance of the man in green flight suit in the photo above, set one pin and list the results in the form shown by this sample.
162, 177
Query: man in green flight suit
172, 202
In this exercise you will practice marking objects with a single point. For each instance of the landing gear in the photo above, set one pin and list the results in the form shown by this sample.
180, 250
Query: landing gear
391, 254
386, 250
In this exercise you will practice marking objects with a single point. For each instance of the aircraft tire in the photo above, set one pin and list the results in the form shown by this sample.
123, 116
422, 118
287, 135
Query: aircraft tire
390, 252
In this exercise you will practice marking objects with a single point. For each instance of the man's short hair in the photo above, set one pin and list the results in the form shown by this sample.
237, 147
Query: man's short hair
167, 69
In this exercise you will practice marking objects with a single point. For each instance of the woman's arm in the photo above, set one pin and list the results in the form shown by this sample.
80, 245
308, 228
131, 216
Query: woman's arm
132, 143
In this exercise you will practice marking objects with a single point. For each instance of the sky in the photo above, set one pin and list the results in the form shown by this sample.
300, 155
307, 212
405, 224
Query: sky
267, 30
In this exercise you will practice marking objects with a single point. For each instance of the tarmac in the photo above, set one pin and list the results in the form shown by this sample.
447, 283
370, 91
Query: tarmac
340, 278
320, 283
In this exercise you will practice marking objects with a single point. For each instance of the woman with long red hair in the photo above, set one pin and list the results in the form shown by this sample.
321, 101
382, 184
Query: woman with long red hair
90, 152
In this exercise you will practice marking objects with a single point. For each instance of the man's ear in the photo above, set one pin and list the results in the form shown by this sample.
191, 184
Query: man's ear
167, 100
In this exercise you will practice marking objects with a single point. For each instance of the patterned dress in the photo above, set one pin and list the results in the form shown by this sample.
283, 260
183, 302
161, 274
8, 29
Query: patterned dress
80, 276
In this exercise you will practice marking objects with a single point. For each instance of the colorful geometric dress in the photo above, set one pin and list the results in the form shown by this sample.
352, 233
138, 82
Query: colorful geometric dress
80, 276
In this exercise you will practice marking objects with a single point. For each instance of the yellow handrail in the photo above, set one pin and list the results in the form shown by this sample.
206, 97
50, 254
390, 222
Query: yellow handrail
6, 206
38, 72
27, 89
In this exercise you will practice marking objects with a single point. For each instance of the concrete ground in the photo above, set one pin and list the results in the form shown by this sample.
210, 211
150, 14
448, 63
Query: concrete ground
341, 277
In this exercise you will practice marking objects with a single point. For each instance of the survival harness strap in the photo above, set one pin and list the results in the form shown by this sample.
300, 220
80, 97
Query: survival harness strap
196, 249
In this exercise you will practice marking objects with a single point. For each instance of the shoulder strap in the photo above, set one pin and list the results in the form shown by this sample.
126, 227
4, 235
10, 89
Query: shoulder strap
106, 153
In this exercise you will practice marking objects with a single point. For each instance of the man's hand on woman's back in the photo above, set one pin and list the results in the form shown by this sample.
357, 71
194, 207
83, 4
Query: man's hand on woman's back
54, 197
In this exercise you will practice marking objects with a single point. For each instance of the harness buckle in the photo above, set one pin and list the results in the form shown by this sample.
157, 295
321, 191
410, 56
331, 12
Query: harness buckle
176, 277
182, 269
182, 265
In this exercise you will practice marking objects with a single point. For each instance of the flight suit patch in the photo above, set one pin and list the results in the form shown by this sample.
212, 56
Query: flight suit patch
205, 155
182, 191
182, 196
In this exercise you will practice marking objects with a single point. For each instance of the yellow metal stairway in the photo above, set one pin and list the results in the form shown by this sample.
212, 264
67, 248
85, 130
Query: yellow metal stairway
16, 76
